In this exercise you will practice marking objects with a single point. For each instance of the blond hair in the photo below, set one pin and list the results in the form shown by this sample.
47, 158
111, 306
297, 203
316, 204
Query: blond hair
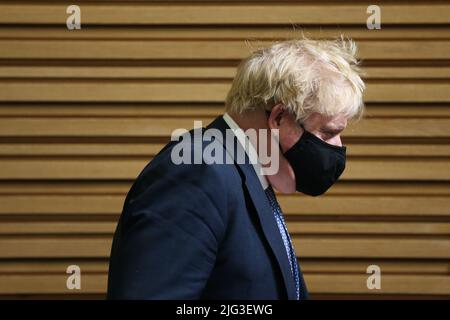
307, 76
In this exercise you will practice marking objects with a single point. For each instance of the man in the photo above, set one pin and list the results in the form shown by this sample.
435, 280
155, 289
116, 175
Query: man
215, 230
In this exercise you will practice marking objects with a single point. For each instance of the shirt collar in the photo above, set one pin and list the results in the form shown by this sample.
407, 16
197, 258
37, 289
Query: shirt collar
252, 154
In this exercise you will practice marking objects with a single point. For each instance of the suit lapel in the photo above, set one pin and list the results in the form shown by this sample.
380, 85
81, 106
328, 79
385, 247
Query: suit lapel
264, 211
269, 226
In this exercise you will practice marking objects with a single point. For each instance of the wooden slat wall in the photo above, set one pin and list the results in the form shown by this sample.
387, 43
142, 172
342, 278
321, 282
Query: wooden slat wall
81, 113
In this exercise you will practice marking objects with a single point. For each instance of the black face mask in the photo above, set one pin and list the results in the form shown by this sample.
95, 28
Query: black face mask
317, 165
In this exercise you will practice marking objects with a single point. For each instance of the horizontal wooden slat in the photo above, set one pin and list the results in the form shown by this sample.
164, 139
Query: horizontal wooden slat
399, 128
209, 32
303, 228
85, 204
392, 72
183, 109
93, 149
397, 169
86, 247
96, 247
151, 14
409, 110
125, 72
51, 227
347, 188
70, 204
383, 169
164, 126
92, 187
371, 227
122, 109
309, 265
150, 149
197, 72
23, 266
371, 247
159, 91
359, 266
401, 92
398, 284
410, 150
197, 50
71, 169
48, 283
329, 283
113, 91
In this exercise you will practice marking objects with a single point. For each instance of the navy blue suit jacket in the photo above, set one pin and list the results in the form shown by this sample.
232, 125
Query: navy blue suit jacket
198, 231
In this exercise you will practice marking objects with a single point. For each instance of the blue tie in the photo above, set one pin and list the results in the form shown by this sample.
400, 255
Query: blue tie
285, 236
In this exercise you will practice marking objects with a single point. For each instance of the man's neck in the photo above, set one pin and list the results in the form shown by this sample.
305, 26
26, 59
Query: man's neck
257, 120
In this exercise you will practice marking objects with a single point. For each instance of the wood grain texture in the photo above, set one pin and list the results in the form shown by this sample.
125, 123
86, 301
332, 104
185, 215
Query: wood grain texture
82, 112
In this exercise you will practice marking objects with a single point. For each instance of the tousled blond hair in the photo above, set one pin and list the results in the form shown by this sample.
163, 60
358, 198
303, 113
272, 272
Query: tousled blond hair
307, 76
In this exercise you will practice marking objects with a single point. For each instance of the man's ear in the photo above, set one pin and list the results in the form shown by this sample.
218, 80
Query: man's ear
275, 116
